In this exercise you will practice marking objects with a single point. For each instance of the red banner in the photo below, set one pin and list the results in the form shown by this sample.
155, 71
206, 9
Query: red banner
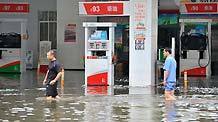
104, 8
14, 7
201, 7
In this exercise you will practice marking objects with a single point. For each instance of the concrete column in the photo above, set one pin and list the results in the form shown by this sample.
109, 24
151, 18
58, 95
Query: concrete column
23, 45
143, 24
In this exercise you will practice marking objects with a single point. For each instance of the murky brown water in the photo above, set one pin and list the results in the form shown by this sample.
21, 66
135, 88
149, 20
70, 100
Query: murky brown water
22, 99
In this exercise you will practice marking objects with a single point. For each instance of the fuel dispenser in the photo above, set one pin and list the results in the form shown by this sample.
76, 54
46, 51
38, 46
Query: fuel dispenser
195, 48
99, 51
13, 47
10, 51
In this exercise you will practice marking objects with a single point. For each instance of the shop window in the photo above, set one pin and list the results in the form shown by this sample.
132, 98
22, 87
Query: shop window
48, 27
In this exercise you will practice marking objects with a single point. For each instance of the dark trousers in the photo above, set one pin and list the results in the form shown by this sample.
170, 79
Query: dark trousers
51, 90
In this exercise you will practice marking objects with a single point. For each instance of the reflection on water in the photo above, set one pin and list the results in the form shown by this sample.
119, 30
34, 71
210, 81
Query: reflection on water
170, 111
23, 100
97, 90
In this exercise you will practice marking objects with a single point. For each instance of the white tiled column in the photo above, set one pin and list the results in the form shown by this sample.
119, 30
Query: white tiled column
142, 62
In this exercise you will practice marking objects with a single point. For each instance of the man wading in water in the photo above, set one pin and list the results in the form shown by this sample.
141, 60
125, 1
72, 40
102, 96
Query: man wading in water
169, 74
52, 76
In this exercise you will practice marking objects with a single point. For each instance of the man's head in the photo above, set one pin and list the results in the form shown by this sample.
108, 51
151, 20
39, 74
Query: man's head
167, 52
51, 55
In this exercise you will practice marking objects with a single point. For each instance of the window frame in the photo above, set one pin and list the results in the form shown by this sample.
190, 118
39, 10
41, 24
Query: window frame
48, 21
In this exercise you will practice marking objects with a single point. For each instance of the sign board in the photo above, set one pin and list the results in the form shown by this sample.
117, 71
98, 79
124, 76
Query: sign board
198, 8
139, 18
70, 33
104, 8
14, 7
168, 19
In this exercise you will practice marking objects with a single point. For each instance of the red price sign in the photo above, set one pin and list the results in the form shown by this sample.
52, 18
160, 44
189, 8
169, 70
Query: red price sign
201, 7
103, 8
14, 7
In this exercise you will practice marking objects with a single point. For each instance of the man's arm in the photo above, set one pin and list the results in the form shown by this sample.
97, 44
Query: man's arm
45, 79
56, 78
166, 70
166, 74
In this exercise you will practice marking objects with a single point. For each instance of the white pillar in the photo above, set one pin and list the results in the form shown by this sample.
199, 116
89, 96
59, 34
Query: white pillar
143, 24
86, 51
23, 46
111, 65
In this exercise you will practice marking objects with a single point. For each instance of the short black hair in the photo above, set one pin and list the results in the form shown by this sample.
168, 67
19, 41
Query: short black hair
53, 52
169, 50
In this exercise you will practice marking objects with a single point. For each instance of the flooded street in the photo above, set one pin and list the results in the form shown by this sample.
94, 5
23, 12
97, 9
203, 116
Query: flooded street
22, 99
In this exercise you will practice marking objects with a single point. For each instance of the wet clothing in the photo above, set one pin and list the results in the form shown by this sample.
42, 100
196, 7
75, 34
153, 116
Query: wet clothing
170, 86
170, 66
51, 90
54, 68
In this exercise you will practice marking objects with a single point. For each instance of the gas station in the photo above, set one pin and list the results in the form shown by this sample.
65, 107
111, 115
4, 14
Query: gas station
112, 56
134, 31
137, 40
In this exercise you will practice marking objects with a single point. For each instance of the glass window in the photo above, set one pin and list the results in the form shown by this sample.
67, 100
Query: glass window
48, 27
43, 31
52, 16
43, 16
52, 34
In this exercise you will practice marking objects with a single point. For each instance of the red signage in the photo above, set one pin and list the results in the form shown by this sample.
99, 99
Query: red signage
104, 8
201, 7
14, 7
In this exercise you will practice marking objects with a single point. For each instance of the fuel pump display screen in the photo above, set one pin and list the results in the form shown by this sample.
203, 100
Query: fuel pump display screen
91, 45
104, 45
97, 46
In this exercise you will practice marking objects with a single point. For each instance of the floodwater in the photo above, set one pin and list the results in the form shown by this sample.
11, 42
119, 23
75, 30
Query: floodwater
22, 99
